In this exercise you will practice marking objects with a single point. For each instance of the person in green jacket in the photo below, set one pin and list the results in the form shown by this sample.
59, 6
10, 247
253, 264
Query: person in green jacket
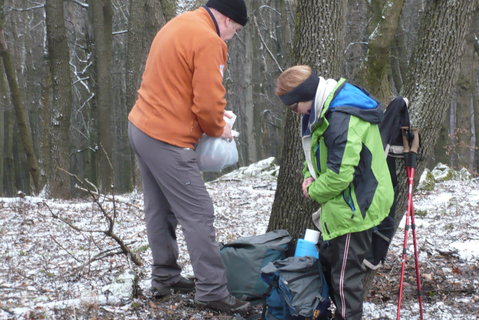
345, 171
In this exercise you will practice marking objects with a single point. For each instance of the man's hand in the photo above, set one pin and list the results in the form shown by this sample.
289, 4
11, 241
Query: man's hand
227, 132
306, 183
228, 114
227, 129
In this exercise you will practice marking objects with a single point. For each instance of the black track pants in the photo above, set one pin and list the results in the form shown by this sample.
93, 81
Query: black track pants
342, 260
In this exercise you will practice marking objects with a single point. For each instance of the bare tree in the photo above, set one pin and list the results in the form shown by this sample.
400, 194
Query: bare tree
3, 131
257, 55
61, 105
459, 145
146, 18
383, 29
433, 71
432, 74
101, 18
9, 178
291, 210
20, 110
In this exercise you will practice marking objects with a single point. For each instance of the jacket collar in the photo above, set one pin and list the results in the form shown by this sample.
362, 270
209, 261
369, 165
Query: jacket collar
214, 19
322, 98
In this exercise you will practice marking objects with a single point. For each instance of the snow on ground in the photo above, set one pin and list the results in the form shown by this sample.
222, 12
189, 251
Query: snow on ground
45, 269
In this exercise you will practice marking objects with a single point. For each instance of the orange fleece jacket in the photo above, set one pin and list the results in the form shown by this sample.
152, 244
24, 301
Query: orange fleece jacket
182, 94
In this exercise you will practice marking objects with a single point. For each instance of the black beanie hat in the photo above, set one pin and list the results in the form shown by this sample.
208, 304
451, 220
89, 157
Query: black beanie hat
233, 9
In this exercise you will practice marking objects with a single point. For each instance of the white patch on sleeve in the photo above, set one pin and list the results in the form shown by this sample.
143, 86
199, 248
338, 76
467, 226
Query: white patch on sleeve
222, 68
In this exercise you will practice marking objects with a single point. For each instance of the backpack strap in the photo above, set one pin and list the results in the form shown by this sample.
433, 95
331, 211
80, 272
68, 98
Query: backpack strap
273, 284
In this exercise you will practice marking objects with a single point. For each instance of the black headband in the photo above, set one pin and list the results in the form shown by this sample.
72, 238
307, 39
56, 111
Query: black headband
303, 92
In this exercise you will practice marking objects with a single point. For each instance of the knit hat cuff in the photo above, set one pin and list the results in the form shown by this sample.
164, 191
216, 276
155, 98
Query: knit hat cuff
233, 9
303, 92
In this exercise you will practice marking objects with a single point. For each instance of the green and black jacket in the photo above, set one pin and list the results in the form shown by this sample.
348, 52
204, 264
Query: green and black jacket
352, 180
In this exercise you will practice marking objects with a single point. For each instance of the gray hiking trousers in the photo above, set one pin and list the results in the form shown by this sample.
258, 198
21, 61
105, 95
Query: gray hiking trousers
342, 261
174, 192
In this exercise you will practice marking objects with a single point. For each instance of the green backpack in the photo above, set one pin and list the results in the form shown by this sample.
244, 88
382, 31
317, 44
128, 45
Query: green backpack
244, 258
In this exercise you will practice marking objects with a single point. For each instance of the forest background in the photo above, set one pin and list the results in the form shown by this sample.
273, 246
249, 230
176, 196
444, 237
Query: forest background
70, 71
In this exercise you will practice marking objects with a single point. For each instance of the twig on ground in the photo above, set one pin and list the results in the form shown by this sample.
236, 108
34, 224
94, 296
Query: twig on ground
93, 191
65, 249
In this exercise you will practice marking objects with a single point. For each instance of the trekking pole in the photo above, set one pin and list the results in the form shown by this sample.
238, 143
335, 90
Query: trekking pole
411, 146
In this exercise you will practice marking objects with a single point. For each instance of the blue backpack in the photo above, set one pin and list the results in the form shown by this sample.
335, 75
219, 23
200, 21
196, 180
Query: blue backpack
297, 290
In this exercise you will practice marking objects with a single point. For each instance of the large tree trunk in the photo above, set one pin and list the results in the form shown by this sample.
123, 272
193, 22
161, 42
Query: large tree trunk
43, 126
9, 162
291, 210
476, 114
382, 34
3, 125
20, 110
463, 147
146, 18
168, 9
61, 105
432, 76
239, 81
257, 55
430, 81
476, 88
101, 17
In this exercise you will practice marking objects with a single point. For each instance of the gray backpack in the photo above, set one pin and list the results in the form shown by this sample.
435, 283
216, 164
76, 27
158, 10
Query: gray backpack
298, 290
244, 258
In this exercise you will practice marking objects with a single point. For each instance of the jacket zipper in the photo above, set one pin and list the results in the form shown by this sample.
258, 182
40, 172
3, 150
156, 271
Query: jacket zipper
349, 200
317, 153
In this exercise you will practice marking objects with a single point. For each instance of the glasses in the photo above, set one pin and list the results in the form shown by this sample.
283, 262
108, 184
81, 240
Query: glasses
293, 107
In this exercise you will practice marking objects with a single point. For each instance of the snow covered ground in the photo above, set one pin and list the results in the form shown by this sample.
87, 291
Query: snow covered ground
50, 270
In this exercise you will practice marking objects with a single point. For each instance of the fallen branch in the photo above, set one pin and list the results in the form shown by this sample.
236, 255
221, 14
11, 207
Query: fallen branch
94, 193
65, 249
99, 256
112, 199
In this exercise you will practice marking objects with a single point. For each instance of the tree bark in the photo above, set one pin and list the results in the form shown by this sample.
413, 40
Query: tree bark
20, 110
256, 56
3, 125
466, 87
431, 77
59, 184
9, 162
43, 127
384, 26
476, 96
168, 9
318, 42
146, 18
101, 17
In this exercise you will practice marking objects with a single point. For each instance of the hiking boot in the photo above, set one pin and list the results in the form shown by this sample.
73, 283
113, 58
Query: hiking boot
229, 304
160, 290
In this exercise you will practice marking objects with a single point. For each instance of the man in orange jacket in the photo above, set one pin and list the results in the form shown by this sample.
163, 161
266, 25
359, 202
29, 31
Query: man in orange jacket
181, 97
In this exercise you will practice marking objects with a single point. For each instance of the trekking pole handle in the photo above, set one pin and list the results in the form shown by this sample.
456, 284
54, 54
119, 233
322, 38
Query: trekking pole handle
415, 140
